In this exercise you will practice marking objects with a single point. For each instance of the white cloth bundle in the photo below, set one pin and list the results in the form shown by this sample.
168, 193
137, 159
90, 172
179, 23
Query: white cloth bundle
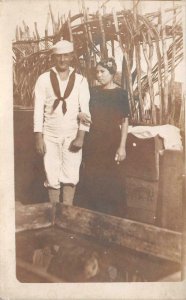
169, 133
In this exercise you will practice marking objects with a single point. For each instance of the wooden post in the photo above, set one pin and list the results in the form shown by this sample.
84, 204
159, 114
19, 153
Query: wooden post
165, 64
158, 67
37, 35
46, 30
148, 57
158, 52
124, 75
91, 43
138, 63
87, 50
71, 38
53, 20
58, 23
103, 47
17, 34
170, 189
172, 87
34, 35
26, 30
182, 114
129, 76
69, 27
36, 30
20, 33
112, 46
80, 4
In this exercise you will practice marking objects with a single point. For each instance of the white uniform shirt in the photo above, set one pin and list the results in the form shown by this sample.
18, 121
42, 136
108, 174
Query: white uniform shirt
55, 123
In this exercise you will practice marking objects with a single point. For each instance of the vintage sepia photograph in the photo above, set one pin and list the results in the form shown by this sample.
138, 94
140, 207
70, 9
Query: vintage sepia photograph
98, 118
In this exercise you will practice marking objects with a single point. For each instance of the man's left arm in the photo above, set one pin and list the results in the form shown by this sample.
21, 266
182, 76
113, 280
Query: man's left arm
84, 98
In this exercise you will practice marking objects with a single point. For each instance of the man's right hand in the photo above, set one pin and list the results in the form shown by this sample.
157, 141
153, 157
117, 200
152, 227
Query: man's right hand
40, 144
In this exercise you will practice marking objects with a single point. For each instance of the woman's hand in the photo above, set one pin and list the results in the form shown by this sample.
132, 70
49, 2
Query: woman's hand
40, 144
120, 154
84, 119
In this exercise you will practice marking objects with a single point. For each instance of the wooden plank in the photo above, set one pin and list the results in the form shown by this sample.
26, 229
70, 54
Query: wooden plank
141, 237
33, 216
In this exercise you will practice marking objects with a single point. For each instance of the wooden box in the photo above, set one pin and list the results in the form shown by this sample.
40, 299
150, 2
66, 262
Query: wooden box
159, 202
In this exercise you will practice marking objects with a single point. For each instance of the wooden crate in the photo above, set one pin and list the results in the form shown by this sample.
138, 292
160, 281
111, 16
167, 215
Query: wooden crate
159, 202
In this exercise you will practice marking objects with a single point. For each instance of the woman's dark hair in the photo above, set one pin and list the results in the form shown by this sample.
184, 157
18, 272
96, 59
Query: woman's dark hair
109, 64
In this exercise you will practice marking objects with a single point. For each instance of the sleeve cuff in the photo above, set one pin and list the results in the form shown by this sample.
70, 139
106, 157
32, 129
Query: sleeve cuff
36, 129
84, 128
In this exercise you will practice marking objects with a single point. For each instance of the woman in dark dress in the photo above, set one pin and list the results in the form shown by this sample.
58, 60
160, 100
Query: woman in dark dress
104, 148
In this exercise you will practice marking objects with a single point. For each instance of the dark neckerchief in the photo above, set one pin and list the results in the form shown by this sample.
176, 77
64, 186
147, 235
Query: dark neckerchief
56, 89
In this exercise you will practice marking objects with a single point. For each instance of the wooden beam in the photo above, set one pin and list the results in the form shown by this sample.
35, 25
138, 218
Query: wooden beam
138, 236
34, 216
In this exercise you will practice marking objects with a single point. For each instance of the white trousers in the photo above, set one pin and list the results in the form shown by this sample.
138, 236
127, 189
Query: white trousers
61, 165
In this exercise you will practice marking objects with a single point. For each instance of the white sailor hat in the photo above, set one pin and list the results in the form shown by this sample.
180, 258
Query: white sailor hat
62, 47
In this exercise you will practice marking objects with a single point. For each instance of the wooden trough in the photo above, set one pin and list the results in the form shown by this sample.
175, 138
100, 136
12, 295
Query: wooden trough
149, 239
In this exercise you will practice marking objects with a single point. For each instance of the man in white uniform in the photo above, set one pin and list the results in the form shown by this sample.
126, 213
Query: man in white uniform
60, 94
